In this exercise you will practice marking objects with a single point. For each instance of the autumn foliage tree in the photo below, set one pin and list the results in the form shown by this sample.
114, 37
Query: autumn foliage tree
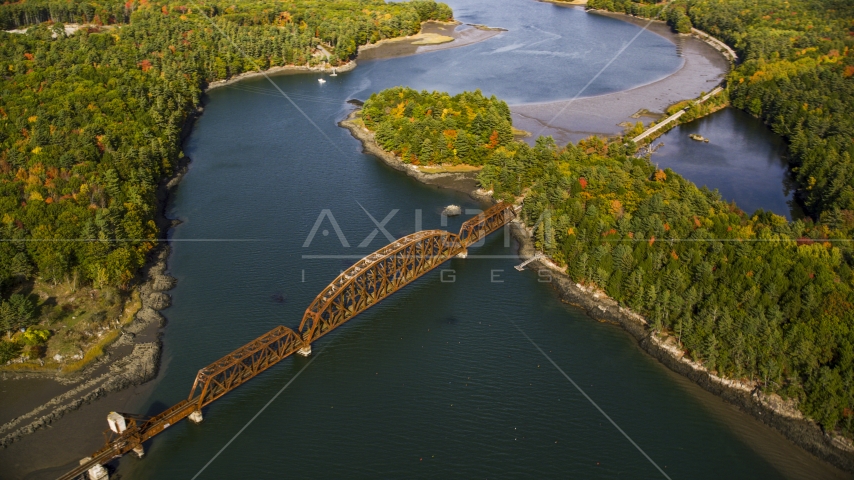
433, 128
91, 121
753, 297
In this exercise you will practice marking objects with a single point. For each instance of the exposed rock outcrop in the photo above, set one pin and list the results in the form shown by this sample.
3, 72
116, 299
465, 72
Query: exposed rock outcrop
452, 211
134, 369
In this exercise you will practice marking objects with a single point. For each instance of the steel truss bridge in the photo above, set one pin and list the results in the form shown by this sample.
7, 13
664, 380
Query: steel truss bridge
358, 288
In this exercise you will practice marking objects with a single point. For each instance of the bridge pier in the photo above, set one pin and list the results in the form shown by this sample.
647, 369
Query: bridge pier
431, 248
97, 472
196, 416
139, 451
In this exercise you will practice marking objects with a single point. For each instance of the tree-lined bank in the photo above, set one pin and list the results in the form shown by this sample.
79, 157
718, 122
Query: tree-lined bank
754, 298
91, 123
795, 75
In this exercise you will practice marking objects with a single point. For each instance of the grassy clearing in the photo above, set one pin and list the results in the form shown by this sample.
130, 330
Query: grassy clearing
132, 305
95, 352
519, 133
82, 322
678, 106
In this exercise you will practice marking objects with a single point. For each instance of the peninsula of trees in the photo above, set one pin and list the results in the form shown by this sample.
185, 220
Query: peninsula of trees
752, 297
91, 120
427, 128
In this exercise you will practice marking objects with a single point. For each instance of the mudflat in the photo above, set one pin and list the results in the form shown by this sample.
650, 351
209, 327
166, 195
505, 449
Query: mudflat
461, 34
576, 118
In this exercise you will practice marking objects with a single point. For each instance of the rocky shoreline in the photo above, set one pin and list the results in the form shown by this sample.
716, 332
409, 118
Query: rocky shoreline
771, 410
461, 181
134, 358
141, 364
116, 370
137, 368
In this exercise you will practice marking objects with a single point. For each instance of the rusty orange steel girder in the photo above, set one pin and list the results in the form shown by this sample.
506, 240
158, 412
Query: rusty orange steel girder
392, 267
215, 380
232, 370
485, 223
133, 436
375, 277
360, 287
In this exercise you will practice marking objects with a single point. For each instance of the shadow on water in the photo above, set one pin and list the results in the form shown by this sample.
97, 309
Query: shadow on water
156, 408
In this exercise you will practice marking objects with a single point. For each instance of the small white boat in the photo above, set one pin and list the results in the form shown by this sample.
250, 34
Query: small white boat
321, 80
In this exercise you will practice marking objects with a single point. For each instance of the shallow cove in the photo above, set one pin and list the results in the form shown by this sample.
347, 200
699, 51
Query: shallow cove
435, 382
743, 159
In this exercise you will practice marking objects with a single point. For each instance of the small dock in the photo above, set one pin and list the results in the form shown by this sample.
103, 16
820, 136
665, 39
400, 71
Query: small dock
536, 257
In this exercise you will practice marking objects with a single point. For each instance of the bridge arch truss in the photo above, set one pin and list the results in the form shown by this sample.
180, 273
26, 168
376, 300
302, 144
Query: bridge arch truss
375, 277
392, 267
358, 288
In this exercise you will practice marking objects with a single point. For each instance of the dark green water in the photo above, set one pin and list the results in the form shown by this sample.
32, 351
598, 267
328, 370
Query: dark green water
743, 159
436, 381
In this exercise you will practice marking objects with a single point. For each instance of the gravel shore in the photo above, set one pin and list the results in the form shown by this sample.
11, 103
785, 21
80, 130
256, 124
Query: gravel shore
465, 182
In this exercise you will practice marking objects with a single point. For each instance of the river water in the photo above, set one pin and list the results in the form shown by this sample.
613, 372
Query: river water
438, 380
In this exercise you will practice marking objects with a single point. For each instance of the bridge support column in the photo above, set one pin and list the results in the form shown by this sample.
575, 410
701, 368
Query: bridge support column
196, 416
98, 472
305, 350
463, 254
139, 451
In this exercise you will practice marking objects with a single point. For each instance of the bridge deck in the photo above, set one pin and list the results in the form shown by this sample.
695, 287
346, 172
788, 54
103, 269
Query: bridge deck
366, 283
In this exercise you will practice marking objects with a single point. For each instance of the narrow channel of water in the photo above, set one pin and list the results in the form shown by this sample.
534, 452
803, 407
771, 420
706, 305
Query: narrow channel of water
436, 381
743, 159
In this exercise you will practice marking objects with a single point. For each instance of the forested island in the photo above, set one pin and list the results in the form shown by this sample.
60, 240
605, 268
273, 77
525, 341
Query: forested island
752, 297
95, 96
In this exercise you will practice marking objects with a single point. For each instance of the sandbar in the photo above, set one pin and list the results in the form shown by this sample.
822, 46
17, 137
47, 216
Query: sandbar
462, 35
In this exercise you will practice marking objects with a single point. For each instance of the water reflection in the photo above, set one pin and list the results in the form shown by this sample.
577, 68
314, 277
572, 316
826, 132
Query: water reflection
743, 159
547, 53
